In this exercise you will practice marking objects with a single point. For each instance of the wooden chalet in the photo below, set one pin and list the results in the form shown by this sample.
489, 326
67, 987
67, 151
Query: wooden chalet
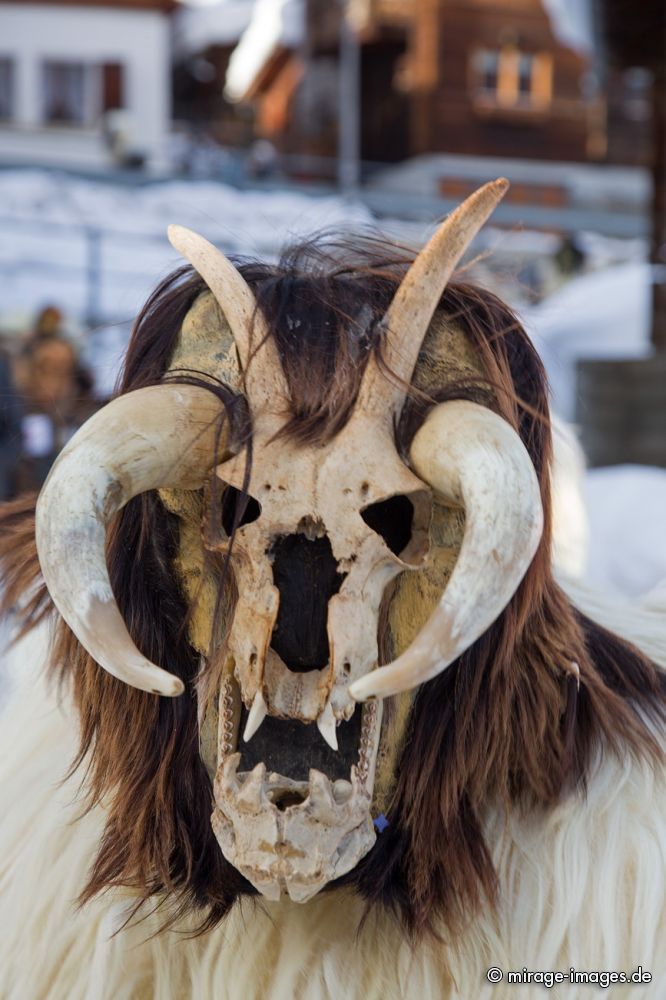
480, 77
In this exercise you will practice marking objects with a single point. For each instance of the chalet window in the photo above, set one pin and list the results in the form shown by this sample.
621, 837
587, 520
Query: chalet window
6, 89
525, 74
637, 84
508, 78
64, 93
489, 64
75, 93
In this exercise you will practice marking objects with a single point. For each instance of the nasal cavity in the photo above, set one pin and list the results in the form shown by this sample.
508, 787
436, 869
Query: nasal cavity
306, 575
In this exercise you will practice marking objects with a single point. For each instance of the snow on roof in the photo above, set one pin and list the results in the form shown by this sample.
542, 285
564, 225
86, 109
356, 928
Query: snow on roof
223, 23
274, 23
571, 21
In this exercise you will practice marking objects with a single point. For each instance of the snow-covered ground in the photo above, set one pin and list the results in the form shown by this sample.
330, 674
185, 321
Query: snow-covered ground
97, 248
46, 220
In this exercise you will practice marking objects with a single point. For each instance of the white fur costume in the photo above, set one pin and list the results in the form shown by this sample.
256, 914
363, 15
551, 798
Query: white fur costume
564, 876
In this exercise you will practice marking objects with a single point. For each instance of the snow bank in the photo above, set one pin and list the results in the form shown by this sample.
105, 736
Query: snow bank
627, 540
605, 314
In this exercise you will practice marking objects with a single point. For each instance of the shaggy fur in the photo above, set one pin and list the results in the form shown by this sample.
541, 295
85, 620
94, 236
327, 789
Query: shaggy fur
582, 884
505, 731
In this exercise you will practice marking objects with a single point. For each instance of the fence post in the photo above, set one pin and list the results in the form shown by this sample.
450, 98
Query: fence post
93, 274
349, 98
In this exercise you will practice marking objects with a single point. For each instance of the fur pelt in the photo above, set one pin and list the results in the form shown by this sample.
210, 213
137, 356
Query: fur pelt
583, 885
526, 802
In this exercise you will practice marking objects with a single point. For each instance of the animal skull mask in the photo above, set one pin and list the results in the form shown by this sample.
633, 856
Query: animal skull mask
302, 821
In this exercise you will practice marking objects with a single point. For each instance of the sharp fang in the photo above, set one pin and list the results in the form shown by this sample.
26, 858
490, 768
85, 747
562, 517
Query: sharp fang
326, 724
256, 716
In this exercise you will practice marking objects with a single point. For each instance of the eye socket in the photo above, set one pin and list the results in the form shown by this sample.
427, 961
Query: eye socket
236, 505
393, 520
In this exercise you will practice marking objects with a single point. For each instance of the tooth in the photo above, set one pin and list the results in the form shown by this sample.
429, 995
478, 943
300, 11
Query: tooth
326, 725
256, 716
252, 792
320, 791
230, 766
357, 784
342, 791
225, 779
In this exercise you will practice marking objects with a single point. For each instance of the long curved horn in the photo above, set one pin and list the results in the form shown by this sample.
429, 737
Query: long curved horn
474, 458
410, 313
259, 358
160, 436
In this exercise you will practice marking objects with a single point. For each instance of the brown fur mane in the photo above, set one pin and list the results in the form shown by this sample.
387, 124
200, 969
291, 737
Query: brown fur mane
506, 721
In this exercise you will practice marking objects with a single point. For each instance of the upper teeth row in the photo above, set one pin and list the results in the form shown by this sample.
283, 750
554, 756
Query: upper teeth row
326, 723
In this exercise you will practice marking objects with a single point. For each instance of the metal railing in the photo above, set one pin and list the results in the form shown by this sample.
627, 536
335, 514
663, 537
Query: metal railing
85, 259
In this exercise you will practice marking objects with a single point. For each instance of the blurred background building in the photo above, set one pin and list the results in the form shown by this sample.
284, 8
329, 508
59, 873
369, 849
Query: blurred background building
255, 121
475, 77
85, 83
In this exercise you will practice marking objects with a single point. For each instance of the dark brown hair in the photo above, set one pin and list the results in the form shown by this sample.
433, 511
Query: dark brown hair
507, 721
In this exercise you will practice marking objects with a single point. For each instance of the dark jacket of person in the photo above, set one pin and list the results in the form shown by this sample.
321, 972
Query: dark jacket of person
10, 430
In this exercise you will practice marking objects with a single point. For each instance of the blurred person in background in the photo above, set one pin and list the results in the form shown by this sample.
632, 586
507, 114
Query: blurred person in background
49, 322
57, 397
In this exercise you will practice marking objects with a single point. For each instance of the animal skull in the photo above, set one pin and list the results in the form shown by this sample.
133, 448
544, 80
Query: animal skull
310, 496
295, 832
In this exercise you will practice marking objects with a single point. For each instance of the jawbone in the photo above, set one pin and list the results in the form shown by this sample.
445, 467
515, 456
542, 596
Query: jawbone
288, 836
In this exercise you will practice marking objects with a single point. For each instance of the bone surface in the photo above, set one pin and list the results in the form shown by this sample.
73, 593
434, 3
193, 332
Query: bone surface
413, 305
158, 436
291, 849
474, 458
330, 485
264, 379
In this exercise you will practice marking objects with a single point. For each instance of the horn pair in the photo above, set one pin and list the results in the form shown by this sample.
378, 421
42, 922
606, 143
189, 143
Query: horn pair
164, 436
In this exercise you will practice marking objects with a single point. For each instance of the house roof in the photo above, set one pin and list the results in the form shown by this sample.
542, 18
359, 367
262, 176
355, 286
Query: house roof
572, 23
275, 25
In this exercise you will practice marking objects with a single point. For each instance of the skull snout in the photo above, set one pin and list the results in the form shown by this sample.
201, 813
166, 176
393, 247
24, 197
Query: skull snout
306, 575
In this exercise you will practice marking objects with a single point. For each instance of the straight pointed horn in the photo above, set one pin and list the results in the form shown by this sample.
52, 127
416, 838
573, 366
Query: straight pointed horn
475, 459
410, 313
160, 436
260, 362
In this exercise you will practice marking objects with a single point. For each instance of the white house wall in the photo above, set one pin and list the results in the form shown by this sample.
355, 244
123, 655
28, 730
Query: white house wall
31, 34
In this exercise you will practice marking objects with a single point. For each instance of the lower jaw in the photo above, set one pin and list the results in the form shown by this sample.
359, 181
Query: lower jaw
291, 837
297, 849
